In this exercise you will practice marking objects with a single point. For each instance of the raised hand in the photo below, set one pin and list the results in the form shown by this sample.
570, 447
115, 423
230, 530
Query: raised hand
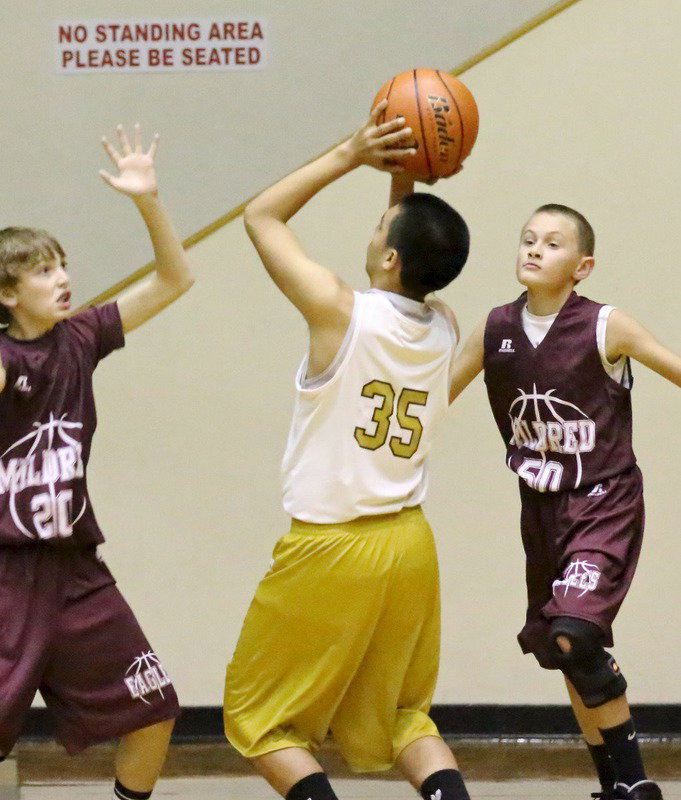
137, 175
382, 146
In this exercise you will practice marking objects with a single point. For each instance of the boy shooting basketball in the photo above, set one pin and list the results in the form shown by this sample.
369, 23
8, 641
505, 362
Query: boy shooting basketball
336, 638
558, 378
67, 631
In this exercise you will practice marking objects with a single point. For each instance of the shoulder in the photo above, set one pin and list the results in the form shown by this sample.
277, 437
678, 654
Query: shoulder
91, 319
620, 324
587, 306
448, 314
509, 312
586, 301
98, 329
371, 297
372, 305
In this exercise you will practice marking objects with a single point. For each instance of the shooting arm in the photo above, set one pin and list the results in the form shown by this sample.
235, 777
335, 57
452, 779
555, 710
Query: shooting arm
315, 291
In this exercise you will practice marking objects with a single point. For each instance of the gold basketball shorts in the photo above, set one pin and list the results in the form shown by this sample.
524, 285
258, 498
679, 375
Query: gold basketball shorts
342, 636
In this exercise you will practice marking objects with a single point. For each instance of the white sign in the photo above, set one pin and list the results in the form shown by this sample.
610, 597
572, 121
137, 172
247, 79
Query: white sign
160, 45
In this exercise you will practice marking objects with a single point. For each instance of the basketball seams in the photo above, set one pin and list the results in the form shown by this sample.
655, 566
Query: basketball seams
423, 132
458, 112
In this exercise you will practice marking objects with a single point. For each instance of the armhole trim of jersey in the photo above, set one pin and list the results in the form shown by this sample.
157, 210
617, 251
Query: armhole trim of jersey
310, 386
437, 305
626, 378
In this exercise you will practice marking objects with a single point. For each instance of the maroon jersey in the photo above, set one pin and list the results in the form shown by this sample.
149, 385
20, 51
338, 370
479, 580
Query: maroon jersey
47, 420
566, 423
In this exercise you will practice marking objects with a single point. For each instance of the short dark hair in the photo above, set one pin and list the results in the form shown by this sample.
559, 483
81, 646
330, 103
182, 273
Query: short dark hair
21, 249
432, 241
586, 235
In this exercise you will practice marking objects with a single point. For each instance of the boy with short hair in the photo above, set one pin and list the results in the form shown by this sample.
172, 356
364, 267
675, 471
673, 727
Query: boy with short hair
67, 631
336, 638
558, 379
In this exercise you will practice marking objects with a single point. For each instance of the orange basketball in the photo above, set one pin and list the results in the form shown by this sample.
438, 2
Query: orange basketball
441, 112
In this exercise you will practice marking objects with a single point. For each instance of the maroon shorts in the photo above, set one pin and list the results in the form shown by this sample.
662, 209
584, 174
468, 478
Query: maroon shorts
582, 548
66, 631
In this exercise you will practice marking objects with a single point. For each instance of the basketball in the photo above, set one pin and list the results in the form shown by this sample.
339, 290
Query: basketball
442, 114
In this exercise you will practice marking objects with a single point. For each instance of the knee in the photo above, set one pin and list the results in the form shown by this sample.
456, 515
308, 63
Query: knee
582, 659
163, 728
156, 734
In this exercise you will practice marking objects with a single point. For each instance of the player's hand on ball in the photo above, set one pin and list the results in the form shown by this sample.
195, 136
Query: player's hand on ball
137, 175
381, 146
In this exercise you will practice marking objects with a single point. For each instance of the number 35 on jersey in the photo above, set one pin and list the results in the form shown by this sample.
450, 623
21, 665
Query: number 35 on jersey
391, 404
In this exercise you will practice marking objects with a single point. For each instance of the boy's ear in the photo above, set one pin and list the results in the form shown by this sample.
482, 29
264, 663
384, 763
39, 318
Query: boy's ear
391, 260
584, 268
7, 297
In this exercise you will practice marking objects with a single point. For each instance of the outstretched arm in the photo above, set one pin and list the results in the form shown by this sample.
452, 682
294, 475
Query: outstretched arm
172, 277
468, 364
316, 292
627, 337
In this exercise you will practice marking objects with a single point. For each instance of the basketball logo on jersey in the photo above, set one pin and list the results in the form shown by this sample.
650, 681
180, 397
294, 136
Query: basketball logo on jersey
146, 675
52, 455
579, 575
541, 422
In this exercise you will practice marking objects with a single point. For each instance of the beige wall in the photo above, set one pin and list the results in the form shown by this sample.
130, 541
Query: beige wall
194, 413
217, 128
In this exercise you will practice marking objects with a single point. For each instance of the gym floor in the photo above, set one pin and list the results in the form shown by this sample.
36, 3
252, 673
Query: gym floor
545, 769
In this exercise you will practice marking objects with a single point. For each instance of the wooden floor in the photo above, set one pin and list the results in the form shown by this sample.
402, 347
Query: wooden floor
480, 760
535, 769
239, 787
538, 769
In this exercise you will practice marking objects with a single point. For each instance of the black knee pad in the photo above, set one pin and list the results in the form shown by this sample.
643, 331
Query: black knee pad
591, 670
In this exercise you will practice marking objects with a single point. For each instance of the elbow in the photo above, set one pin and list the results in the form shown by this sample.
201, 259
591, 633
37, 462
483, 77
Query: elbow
179, 287
187, 284
249, 219
253, 218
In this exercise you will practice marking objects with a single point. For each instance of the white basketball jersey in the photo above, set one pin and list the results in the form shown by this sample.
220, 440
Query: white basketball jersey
362, 431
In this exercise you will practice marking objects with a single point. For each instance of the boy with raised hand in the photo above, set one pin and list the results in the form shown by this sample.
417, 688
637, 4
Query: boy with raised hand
343, 632
557, 370
67, 631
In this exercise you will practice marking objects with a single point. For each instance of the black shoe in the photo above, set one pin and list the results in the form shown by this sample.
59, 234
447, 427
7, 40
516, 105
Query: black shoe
618, 792
608, 794
643, 790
